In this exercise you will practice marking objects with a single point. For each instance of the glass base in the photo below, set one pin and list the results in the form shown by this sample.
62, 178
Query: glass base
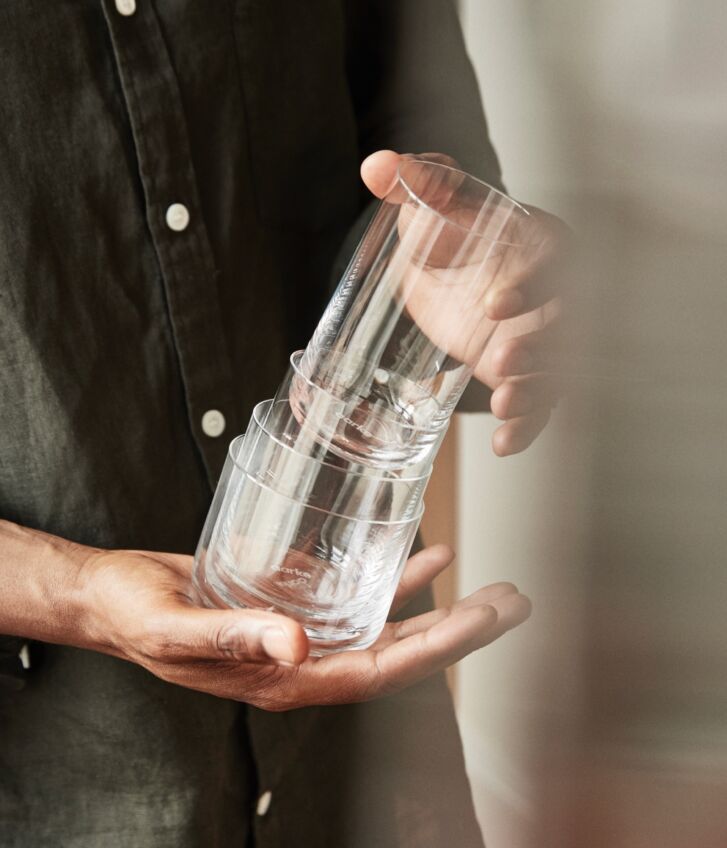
325, 636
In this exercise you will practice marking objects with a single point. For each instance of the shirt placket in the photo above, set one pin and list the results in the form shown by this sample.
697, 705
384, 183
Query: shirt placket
174, 217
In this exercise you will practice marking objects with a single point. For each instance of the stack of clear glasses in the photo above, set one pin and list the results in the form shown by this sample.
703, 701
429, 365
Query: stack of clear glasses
319, 502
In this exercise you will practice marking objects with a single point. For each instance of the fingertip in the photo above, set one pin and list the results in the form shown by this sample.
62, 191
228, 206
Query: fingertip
299, 642
504, 587
443, 551
522, 610
500, 400
479, 622
500, 358
286, 644
528, 606
517, 434
512, 610
278, 638
501, 443
512, 359
378, 171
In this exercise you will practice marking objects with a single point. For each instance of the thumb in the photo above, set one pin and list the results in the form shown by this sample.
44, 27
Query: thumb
378, 171
191, 633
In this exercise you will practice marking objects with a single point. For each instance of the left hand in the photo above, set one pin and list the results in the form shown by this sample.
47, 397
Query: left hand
139, 606
526, 308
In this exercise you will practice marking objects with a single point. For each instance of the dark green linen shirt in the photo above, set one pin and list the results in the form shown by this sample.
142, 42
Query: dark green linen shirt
119, 332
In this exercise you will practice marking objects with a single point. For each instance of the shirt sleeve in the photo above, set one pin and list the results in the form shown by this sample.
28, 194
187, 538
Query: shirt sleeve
415, 91
413, 86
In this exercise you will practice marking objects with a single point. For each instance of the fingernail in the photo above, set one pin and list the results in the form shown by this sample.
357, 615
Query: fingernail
276, 644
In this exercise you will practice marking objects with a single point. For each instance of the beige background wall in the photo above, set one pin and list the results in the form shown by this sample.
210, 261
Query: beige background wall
597, 723
505, 511
495, 512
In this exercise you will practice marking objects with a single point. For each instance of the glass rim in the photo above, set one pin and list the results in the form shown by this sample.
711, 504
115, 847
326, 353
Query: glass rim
238, 441
309, 381
271, 402
414, 196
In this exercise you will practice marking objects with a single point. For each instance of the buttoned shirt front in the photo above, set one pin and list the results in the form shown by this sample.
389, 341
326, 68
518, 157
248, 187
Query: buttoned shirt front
176, 180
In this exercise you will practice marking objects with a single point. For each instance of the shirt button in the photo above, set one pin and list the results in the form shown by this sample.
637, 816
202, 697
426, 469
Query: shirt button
126, 7
263, 803
213, 423
177, 217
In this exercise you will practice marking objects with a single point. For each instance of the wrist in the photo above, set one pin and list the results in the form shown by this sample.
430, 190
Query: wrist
44, 587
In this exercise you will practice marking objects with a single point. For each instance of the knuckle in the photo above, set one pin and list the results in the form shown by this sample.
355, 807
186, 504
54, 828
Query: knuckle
230, 640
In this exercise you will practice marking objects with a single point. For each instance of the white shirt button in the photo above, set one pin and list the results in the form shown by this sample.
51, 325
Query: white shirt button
177, 217
263, 803
213, 423
126, 7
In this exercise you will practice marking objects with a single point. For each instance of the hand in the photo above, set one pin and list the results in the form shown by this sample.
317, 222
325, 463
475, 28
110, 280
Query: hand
141, 609
524, 303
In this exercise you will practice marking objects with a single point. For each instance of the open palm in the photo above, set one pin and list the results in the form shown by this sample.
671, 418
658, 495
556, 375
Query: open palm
147, 614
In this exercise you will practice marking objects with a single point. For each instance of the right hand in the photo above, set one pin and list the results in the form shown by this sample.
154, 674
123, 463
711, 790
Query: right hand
515, 317
140, 608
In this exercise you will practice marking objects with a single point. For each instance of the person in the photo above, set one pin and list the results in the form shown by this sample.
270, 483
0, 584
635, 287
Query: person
177, 179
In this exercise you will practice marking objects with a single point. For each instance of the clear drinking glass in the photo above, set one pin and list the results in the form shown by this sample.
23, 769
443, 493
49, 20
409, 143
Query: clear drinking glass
319, 504
336, 574
400, 338
275, 453
331, 418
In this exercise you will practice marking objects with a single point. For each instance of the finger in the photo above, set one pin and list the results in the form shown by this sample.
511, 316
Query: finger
485, 595
529, 352
420, 570
379, 172
467, 629
187, 633
361, 675
533, 272
526, 395
519, 433
462, 231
